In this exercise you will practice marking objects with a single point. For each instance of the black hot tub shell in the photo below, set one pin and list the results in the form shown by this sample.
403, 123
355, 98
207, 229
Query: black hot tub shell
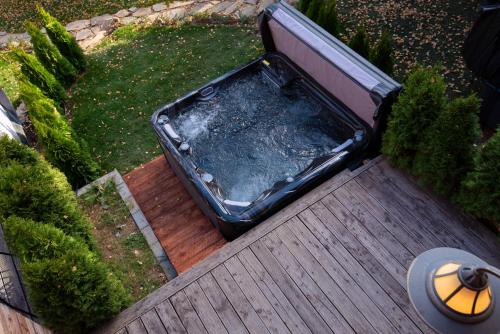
300, 57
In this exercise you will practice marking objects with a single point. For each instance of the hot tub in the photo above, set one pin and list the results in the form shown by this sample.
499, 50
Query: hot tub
257, 138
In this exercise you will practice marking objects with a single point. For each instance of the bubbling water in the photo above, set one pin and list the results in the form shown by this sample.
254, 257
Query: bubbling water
253, 134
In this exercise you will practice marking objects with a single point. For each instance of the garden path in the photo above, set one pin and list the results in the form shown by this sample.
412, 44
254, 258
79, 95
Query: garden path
89, 32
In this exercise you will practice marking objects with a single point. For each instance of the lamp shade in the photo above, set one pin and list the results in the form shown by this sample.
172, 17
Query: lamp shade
452, 291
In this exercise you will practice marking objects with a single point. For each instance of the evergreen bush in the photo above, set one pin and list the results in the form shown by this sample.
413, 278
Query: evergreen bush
480, 191
63, 40
313, 9
42, 193
11, 151
381, 55
422, 100
360, 43
34, 71
33, 241
328, 18
304, 5
50, 57
58, 139
31, 188
70, 289
73, 293
446, 153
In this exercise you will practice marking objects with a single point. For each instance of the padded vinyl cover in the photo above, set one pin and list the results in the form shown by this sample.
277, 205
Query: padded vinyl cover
359, 85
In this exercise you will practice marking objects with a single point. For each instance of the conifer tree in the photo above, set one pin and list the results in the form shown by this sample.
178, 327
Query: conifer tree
480, 192
313, 9
359, 42
38, 75
382, 54
50, 57
304, 5
61, 145
63, 40
422, 100
447, 151
328, 18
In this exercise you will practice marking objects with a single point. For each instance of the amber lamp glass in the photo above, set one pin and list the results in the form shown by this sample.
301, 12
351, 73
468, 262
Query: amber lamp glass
454, 291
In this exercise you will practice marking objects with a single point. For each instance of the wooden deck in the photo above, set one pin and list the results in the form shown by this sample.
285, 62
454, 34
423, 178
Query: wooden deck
185, 234
13, 322
333, 261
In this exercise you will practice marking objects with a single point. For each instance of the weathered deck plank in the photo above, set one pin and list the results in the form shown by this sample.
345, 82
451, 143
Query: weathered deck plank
189, 318
204, 309
333, 261
366, 293
13, 322
169, 318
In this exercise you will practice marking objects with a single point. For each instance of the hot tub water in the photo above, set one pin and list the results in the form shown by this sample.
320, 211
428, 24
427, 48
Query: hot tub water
252, 134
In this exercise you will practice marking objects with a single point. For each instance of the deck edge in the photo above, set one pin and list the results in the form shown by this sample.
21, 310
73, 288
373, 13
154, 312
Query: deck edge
166, 291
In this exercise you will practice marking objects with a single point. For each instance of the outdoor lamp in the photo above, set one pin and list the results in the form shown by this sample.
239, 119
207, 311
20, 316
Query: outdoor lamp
455, 291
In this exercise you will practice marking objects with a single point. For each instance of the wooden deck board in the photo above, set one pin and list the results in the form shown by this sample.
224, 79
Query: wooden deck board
185, 234
334, 261
13, 322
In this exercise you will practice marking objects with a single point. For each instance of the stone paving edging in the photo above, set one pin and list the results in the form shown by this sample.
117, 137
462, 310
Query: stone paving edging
89, 32
138, 217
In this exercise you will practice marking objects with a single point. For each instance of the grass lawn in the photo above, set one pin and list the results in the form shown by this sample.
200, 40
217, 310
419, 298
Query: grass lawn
14, 12
138, 70
424, 31
122, 245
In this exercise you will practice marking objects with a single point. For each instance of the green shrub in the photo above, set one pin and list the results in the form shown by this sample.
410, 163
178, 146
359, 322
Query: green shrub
31, 188
69, 156
360, 43
304, 5
58, 139
50, 57
63, 40
34, 71
381, 55
422, 100
328, 18
11, 150
33, 241
313, 9
480, 192
42, 193
446, 153
70, 289
74, 293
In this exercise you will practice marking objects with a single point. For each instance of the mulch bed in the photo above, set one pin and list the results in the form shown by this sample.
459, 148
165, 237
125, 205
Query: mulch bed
424, 31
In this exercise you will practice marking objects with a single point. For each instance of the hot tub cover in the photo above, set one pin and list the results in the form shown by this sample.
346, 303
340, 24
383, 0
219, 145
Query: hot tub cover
358, 84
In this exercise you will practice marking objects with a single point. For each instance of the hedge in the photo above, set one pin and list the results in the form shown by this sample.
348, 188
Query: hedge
50, 57
40, 192
422, 100
12, 151
38, 75
63, 40
70, 289
58, 139
33, 241
447, 151
480, 192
